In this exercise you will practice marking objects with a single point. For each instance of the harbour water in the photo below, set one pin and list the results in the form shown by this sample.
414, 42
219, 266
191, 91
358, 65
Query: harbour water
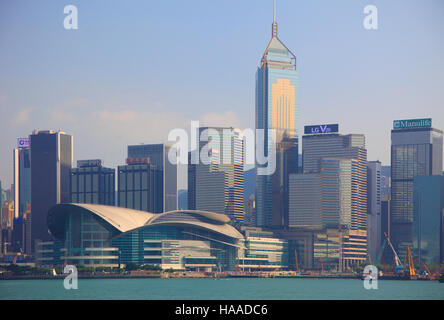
211, 289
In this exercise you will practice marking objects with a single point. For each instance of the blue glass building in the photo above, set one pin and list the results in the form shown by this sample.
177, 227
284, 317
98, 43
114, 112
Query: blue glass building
428, 211
276, 108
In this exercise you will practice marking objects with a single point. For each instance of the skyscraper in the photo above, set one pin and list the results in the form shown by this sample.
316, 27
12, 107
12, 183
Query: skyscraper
93, 183
22, 196
374, 169
342, 159
51, 160
276, 108
330, 196
428, 218
158, 156
218, 185
305, 201
140, 186
417, 150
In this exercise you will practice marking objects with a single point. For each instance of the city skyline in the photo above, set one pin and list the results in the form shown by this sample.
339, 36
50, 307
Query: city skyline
297, 140
119, 80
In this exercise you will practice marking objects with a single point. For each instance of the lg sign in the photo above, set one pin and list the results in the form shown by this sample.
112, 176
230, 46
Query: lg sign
322, 128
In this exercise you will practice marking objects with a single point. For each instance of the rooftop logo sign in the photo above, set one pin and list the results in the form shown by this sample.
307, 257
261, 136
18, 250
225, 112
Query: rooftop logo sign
412, 123
23, 143
321, 128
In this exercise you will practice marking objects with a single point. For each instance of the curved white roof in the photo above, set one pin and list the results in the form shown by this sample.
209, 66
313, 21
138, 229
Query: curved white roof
125, 220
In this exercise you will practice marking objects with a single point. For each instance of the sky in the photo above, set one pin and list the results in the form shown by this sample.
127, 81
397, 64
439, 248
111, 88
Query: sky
134, 70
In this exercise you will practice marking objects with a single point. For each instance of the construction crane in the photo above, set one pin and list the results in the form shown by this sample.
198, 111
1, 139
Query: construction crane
410, 262
296, 260
14, 261
322, 265
425, 266
399, 267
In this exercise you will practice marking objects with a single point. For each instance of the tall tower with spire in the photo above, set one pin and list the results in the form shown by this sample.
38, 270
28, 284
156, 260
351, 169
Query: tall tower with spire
276, 108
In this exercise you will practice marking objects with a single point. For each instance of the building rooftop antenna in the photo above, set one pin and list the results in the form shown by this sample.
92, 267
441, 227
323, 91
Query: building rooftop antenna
274, 26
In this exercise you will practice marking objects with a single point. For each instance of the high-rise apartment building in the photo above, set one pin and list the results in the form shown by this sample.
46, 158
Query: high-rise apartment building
158, 156
91, 182
51, 160
216, 183
276, 109
416, 150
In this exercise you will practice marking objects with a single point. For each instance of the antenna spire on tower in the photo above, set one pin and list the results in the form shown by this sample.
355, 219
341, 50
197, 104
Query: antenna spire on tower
274, 11
274, 26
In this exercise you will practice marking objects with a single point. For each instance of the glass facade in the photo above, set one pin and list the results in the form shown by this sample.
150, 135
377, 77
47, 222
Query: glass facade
218, 186
373, 208
414, 152
276, 108
262, 254
342, 161
87, 241
22, 200
338, 250
178, 247
326, 250
158, 156
428, 205
93, 184
51, 160
305, 201
140, 187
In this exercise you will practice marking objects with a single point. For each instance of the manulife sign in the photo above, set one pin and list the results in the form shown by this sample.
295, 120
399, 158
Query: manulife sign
412, 123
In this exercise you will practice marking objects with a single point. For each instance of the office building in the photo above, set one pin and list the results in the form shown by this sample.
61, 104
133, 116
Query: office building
158, 156
305, 201
1, 194
428, 224
329, 197
385, 256
22, 196
300, 246
386, 180
51, 160
250, 212
216, 183
373, 209
276, 109
140, 186
6, 226
91, 182
342, 160
191, 183
416, 150
262, 251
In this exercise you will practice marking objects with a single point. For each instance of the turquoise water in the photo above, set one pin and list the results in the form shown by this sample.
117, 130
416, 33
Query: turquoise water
209, 289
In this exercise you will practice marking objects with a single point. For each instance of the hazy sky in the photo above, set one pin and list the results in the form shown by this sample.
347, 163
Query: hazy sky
136, 69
